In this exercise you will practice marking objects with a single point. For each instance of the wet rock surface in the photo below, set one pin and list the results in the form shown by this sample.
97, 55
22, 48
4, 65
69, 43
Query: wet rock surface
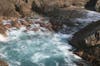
66, 16
72, 20
16, 23
83, 34
87, 40
3, 63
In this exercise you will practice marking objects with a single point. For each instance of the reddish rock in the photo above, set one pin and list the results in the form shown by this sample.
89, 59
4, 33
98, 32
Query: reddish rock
16, 8
3, 63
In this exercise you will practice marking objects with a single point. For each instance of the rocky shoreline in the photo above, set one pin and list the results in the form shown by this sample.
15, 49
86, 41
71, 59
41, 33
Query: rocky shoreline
87, 41
81, 35
90, 52
7, 24
63, 16
3, 63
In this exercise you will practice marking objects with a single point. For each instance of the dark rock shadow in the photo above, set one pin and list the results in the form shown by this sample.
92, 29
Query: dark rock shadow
91, 5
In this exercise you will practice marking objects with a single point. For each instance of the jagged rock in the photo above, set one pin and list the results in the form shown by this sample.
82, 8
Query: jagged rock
71, 20
87, 41
98, 6
44, 6
3, 63
40, 23
13, 8
82, 37
7, 9
91, 5
51, 5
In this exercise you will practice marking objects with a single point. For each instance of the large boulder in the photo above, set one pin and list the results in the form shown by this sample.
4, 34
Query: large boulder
88, 36
87, 43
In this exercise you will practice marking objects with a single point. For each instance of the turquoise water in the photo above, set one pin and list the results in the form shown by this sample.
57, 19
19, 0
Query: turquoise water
37, 49
41, 48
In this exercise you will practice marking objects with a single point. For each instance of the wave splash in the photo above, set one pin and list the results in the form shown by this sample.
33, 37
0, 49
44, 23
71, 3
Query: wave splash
40, 48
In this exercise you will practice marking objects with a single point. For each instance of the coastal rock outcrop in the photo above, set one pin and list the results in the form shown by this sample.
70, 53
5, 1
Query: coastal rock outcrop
35, 23
98, 6
65, 15
72, 20
87, 42
13, 8
3, 63
89, 33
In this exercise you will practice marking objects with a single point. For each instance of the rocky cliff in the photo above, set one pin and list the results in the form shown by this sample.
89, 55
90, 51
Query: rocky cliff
87, 40
63, 14
15, 8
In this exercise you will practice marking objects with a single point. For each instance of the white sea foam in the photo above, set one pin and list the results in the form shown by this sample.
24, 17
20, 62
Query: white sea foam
3, 38
39, 47
42, 46
90, 16
38, 57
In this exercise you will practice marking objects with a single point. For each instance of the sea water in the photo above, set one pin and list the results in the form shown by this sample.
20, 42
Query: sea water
39, 48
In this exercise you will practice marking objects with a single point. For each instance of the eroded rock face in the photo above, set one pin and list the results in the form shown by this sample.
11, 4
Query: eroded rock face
3, 63
51, 5
87, 41
7, 8
24, 7
91, 5
72, 20
15, 8
35, 23
98, 6
89, 33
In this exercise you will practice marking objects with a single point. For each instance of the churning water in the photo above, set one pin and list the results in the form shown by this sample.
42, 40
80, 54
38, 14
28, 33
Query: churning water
37, 49
40, 48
